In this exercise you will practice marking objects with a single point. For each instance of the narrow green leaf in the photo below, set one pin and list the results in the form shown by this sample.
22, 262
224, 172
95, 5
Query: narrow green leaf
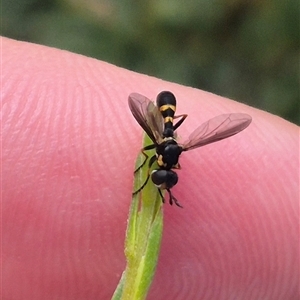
143, 236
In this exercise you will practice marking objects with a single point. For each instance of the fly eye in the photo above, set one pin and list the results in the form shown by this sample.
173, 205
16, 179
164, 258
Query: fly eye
164, 179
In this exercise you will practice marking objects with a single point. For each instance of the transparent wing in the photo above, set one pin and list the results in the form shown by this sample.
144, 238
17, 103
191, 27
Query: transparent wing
216, 129
147, 115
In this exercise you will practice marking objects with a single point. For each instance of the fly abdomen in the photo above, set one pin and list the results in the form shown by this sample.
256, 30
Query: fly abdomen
166, 103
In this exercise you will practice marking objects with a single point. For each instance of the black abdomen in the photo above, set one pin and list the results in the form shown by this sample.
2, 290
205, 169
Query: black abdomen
166, 102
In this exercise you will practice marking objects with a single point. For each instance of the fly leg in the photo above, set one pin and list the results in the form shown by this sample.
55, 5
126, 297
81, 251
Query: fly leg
161, 195
151, 161
173, 199
150, 147
183, 117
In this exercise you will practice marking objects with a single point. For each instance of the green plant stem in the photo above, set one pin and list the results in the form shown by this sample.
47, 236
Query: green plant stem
143, 237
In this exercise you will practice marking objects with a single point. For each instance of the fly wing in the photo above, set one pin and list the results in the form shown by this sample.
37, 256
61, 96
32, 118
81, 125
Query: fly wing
147, 115
216, 129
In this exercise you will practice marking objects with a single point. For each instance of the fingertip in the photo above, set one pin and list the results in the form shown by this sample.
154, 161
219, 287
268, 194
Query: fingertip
70, 143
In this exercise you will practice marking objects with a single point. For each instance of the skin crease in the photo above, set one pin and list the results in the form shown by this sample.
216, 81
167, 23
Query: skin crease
68, 153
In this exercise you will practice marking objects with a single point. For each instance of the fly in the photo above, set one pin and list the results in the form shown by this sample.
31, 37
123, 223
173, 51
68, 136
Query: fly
158, 122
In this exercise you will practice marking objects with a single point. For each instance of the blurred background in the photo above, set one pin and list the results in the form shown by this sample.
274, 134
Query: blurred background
245, 50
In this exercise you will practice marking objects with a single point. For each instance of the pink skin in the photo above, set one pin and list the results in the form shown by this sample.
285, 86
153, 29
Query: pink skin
68, 153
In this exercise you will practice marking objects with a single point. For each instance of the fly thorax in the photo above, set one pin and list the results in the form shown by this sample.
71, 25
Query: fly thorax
171, 155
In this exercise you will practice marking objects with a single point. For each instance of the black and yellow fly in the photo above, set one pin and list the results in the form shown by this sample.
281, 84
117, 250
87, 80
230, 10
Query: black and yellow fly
157, 121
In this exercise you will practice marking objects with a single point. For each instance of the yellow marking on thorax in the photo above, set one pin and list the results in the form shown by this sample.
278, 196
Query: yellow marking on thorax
160, 161
166, 106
